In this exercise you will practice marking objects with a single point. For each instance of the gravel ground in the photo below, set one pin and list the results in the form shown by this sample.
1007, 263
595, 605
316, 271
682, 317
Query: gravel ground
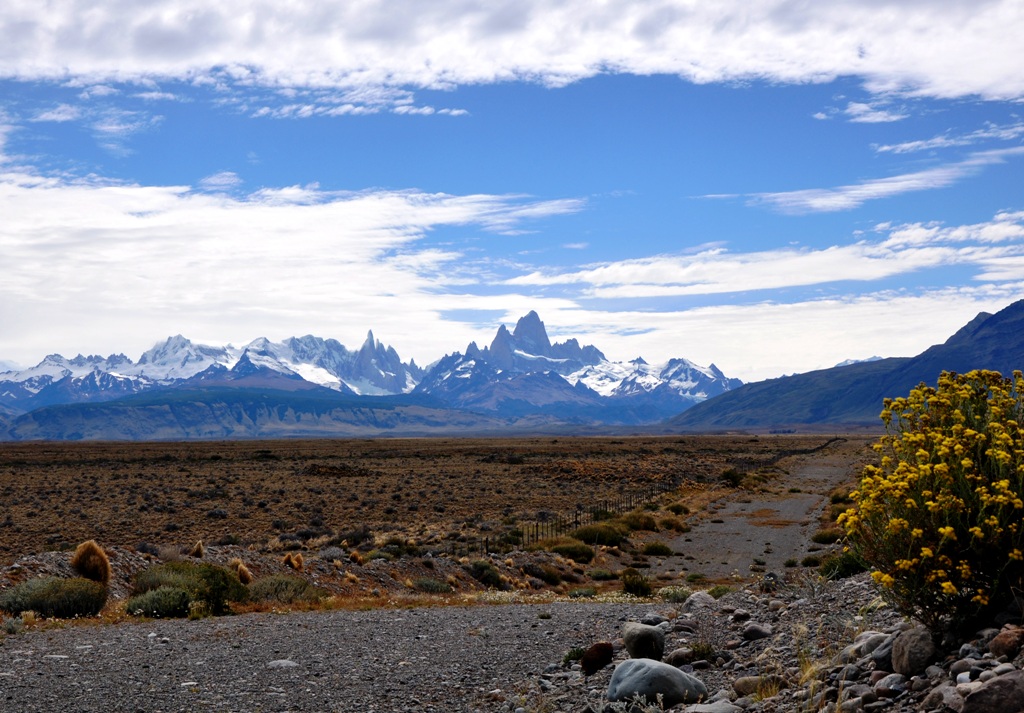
438, 659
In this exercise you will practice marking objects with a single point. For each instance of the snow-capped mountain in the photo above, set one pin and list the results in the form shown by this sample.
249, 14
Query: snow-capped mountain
521, 377
373, 369
502, 378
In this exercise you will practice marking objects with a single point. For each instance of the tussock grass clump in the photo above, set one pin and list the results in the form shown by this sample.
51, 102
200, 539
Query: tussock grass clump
603, 575
544, 572
284, 589
294, 560
55, 597
841, 565
674, 523
205, 583
827, 537
719, 590
198, 550
91, 562
568, 547
610, 534
674, 595
635, 583
244, 575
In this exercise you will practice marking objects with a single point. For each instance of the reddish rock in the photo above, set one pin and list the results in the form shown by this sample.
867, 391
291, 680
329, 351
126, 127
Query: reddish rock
596, 657
1007, 642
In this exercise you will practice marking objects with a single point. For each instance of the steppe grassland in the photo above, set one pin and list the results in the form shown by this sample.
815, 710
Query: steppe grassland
434, 491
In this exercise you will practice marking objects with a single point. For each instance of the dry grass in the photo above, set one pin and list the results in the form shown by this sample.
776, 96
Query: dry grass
431, 491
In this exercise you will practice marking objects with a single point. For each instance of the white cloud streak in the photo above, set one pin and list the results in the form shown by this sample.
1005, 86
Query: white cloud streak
826, 200
924, 48
994, 248
1006, 132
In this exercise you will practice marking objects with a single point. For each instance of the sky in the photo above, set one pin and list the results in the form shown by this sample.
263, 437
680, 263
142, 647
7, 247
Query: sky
772, 187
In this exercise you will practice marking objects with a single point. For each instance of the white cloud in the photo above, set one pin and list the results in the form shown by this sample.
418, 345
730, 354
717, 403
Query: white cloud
994, 248
88, 263
864, 113
60, 113
823, 200
955, 48
220, 181
1006, 132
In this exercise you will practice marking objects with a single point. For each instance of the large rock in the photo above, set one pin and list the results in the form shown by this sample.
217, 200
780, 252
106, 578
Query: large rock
912, 651
1007, 642
643, 641
698, 600
648, 679
1003, 694
596, 657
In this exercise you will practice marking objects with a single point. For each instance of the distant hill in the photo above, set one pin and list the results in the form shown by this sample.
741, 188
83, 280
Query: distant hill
851, 396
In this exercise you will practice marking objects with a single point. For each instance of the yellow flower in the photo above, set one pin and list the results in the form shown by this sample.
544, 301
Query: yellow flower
947, 532
1016, 554
926, 552
885, 580
949, 588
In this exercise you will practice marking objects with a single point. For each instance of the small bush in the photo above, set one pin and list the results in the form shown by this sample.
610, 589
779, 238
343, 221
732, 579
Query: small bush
842, 565
810, 561
91, 562
486, 573
638, 520
573, 655
601, 533
791, 562
284, 589
55, 597
719, 590
732, 477
657, 549
575, 550
827, 537
241, 571
429, 585
165, 602
635, 583
678, 509
216, 586
582, 593
694, 577
602, 575
544, 572
674, 595
674, 523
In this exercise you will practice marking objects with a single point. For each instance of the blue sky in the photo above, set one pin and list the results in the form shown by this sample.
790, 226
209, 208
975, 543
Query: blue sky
773, 188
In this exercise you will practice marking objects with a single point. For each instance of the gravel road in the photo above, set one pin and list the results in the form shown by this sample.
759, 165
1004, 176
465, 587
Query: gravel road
438, 659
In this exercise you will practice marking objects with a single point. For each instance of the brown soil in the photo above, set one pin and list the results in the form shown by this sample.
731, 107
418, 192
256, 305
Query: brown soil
442, 494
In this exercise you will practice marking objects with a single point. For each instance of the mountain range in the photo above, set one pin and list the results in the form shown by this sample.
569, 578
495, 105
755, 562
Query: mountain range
308, 386
850, 396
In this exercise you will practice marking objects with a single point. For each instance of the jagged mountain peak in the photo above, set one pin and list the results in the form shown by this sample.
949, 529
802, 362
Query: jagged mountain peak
531, 336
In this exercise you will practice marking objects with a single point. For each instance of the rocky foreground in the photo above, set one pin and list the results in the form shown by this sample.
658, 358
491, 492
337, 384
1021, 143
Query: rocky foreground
802, 645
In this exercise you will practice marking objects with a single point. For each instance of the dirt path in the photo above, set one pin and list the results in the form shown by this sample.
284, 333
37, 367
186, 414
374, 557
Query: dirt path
765, 529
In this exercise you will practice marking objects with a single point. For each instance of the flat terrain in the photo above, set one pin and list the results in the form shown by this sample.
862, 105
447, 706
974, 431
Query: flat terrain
439, 492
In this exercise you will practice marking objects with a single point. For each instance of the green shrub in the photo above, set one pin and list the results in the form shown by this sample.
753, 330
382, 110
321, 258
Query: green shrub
678, 509
635, 583
544, 572
602, 575
576, 551
732, 477
939, 515
657, 549
719, 590
164, 602
574, 654
55, 597
674, 595
791, 562
429, 585
841, 565
582, 593
284, 589
694, 577
639, 520
207, 583
827, 537
674, 523
601, 533
810, 561
486, 573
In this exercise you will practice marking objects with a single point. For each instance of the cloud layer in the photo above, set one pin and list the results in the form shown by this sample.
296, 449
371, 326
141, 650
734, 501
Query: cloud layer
951, 48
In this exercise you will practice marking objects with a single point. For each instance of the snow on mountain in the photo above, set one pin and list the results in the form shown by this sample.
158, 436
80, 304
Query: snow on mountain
178, 358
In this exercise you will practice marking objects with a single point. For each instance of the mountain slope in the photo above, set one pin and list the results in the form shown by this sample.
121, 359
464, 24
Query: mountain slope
852, 395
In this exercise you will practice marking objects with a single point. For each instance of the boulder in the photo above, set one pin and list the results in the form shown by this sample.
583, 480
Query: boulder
1007, 642
698, 600
647, 679
754, 631
596, 657
643, 641
912, 651
680, 657
1004, 694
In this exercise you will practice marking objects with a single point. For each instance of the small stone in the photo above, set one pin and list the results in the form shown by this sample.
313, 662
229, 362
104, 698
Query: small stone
891, 686
754, 631
720, 706
282, 663
680, 656
653, 619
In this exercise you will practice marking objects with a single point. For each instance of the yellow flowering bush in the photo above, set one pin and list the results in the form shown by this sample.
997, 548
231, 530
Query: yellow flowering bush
940, 517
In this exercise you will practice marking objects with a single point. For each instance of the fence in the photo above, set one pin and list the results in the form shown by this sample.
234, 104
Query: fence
551, 525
